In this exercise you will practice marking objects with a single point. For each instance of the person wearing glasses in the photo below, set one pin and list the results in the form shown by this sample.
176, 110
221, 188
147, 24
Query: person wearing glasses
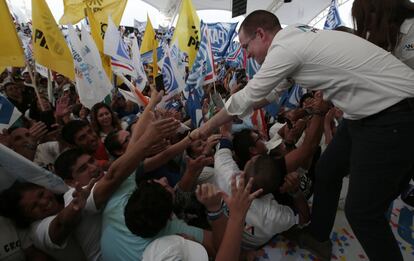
374, 142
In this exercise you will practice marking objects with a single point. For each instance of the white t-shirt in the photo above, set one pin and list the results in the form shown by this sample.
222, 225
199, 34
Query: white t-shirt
88, 231
10, 244
39, 235
265, 217
405, 47
359, 77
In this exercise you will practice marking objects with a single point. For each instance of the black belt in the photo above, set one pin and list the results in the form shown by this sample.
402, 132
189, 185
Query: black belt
406, 105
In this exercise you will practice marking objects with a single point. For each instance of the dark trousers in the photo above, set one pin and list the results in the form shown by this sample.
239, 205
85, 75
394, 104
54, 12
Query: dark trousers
378, 153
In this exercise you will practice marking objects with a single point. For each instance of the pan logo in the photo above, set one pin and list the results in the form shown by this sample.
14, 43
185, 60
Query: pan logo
408, 47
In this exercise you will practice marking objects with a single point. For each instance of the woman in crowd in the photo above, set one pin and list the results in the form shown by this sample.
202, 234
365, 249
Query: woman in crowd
388, 24
104, 120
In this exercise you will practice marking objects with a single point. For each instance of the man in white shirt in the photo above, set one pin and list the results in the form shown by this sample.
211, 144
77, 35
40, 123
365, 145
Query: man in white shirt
374, 90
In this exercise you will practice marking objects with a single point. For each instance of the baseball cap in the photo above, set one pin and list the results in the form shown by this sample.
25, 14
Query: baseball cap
174, 248
273, 142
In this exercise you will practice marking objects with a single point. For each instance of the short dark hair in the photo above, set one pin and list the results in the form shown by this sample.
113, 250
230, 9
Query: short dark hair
65, 161
268, 173
260, 18
148, 209
242, 142
71, 128
112, 143
10, 203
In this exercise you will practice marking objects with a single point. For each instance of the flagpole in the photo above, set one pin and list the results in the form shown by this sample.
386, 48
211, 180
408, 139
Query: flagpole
50, 86
33, 78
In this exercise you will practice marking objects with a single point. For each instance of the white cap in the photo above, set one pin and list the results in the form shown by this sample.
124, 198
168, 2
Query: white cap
174, 248
273, 142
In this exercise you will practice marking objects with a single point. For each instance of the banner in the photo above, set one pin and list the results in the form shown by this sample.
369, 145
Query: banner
49, 46
98, 29
201, 73
74, 10
251, 68
140, 26
17, 167
150, 43
236, 56
141, 79
333, 20
8, 113
92, 83
115, 47
187, 31
11, 52
221, 36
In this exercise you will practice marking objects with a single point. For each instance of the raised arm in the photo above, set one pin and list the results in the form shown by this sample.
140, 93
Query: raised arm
67, 219
128, 162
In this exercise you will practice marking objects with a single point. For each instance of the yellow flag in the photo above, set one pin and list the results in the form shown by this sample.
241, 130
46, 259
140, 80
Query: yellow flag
49, 46
98, 32
187, 31
74, 10
11, 52
150, 43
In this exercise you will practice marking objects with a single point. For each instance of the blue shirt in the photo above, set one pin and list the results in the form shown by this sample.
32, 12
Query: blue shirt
117, 242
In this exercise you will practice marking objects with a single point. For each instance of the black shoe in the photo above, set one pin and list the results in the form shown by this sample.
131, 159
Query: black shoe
322, 250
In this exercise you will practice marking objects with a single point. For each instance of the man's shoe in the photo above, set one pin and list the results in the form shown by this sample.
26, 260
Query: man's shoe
322, 250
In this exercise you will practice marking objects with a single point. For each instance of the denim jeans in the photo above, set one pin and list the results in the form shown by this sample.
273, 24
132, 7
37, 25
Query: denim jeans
378, 154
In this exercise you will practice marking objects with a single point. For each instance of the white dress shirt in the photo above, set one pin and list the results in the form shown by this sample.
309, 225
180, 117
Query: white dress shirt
358, 77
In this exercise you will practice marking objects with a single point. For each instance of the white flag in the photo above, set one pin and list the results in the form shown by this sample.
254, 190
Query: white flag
14, 166
115, 47
92, 83
141, 79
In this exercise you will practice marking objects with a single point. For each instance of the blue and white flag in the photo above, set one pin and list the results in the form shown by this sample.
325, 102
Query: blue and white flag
147, 57
236, 56
252, 68
202, 67
333, 20
141, 79
115, 47
221, 36
8, 113
170, 82
140, 25
291, 97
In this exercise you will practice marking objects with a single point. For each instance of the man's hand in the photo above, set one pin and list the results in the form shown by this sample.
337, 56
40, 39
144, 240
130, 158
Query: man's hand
240, 200
80, 195
159, 130
210, 196
38, 130
195, 166
211, 142
291, 184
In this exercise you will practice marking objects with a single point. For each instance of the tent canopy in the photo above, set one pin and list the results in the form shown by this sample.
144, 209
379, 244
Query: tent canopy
288, 13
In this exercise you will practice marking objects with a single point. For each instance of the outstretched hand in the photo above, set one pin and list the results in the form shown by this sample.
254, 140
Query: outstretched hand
80, 195
240, 200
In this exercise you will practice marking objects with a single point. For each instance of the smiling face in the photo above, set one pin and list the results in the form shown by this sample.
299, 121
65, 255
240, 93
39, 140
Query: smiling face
87, 139
86, 168
254, 44
104, 117
38, 203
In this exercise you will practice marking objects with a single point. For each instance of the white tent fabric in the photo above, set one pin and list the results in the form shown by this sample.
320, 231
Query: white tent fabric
288, 13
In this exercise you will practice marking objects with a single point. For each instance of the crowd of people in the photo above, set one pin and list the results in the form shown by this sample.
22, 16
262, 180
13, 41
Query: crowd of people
145, 184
